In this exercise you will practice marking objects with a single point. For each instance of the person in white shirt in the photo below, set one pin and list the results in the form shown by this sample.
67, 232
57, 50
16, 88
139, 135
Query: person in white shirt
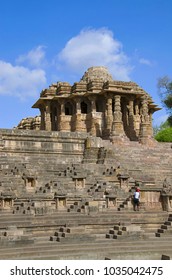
136, 199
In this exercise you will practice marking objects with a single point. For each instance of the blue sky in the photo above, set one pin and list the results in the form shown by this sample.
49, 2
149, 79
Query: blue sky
42, 42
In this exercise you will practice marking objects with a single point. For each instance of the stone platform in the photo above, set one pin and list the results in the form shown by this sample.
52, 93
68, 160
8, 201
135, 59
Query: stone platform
68, 195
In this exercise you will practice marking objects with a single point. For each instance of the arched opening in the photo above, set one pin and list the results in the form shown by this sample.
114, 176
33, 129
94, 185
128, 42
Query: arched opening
68, 109
100, 103
84, 108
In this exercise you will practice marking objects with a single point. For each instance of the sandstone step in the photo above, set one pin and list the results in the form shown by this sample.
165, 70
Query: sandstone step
87, 248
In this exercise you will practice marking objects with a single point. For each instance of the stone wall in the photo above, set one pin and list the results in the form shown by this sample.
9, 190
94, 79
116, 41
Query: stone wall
28, 142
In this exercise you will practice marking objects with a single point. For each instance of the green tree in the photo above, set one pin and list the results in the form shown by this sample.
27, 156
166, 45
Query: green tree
165, 91
165, 135
162, 126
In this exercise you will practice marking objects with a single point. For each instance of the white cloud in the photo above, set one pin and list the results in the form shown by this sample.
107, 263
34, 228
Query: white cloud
95, 47
20, 81
91, 47
35, 57
145, 61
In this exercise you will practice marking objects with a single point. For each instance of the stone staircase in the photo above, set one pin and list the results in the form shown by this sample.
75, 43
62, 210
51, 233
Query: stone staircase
97, 219
81, 236
116, 231
125, 203
79, 206
166, 228
149, 164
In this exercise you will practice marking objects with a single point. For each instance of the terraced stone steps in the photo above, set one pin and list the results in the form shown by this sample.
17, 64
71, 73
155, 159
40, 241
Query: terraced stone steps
55, 174
91, 243
142, 158
86, 250
116, 231
166, 228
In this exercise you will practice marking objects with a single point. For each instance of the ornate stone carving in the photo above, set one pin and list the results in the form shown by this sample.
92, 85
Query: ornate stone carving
167, 186
144, 111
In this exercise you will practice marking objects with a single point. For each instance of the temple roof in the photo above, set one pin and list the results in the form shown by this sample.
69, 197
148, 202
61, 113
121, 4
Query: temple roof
96, 80
97, 72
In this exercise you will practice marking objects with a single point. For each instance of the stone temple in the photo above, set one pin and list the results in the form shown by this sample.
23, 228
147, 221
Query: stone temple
67, 177
98, 105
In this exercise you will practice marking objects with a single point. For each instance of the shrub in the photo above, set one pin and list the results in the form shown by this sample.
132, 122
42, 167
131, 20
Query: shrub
165, 135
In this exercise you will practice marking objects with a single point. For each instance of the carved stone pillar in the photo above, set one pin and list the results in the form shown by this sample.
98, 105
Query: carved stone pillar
125, 116
145, 122
61, 117
132, 131
117, 125
131, 108
57, 113
42, 111
47, 116
144, 111
78, 117
108, 117
137, 119
62, 108
93, 115
93, 104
